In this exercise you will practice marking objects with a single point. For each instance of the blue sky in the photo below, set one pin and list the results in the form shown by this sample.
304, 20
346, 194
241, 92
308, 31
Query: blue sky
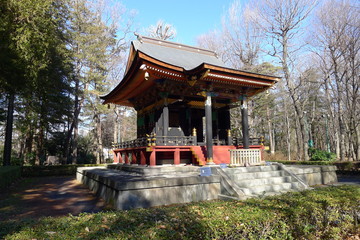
190, 18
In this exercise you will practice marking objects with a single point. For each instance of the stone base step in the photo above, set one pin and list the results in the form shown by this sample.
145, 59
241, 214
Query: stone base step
257, 195
248, 183
257, 175
260, 189
251, 169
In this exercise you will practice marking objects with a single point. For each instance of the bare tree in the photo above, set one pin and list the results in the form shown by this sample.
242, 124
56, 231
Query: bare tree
337, 45
162, 30
281, 22
241, 36
238, 44
214, 41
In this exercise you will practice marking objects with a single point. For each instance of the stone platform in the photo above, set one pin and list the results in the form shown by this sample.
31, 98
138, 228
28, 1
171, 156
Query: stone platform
127, 186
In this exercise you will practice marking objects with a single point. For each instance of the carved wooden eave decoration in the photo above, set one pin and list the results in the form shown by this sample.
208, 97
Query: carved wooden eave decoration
144, 72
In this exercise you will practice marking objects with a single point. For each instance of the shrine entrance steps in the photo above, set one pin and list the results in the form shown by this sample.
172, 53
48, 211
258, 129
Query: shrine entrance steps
258, 181
128, 186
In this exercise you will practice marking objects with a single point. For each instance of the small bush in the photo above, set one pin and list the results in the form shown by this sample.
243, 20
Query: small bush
274, 157
320, 155
304, 162
8, 175
55, 170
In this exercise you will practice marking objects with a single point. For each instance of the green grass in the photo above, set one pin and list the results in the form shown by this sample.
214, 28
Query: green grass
323, 213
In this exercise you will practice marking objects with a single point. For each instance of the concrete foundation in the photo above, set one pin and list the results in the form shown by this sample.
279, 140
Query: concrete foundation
315, 175
127, 186
127, 190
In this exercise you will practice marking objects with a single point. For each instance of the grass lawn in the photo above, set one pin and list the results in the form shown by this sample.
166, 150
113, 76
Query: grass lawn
323, 213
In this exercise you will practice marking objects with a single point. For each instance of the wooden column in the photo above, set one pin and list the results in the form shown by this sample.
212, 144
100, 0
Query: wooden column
120, 158
153, 158
176, 156
245, 123
133, 157
209, 133
165, 121
127, 158
116, 158
142, 158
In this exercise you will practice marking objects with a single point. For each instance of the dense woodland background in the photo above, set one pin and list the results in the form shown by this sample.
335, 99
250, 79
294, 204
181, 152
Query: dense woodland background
58, 56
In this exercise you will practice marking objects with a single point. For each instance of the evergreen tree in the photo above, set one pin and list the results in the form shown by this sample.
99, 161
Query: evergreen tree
92, 44
34, 61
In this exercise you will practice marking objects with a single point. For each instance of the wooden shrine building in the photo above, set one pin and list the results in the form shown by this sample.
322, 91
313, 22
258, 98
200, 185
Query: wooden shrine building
182, 96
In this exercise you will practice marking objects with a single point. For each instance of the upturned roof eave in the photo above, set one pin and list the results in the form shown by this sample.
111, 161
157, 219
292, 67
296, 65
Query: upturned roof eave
141, 58
136, 63
207, 66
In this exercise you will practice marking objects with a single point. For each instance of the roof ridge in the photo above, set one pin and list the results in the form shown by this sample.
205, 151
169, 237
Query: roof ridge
160, 42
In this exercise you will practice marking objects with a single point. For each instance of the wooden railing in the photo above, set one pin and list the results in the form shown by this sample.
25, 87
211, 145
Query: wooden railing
253, 141
245, 157
153, 140
139, 142
176, 140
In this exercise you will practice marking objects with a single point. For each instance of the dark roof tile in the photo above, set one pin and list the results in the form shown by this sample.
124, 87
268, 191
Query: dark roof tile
176, 54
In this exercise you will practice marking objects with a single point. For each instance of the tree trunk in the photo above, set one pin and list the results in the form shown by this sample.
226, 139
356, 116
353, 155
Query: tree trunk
299, 139
305, 135
74, 147
8, 130
99, 147
342, 137
117, 125
28, 145
357, 151
40, 147
77, 107
270, 131
288, 134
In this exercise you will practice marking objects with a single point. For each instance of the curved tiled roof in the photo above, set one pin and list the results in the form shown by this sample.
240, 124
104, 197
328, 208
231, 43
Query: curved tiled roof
151, 59
179, 55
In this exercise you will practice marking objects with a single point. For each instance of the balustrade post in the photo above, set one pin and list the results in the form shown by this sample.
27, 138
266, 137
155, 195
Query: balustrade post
153, 140
229, 137
194, 135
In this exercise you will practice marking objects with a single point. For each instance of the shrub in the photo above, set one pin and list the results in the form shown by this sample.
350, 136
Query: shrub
320, 155
54, 170
304, 162
8, 175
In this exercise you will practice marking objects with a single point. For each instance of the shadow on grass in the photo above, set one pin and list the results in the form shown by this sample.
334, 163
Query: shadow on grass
10, 207
293, 215
35, 198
